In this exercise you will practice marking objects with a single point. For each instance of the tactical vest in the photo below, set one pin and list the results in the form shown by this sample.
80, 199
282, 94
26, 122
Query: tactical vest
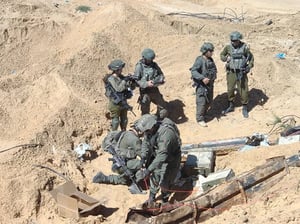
127, 153
150, 72
167, 124
114, 138
112, 94
209, 68
237, 57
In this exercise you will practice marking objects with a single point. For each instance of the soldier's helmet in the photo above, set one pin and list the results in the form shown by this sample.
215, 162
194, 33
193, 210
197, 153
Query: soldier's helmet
116, 65
207, 47
235, 35
148, 54
145, 123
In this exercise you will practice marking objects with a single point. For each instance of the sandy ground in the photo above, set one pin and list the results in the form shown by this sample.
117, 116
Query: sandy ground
52, 60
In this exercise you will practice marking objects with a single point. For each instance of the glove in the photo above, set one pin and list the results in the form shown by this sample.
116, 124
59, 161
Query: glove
142, 174
142, 163
128, 78
246, 69
228, 59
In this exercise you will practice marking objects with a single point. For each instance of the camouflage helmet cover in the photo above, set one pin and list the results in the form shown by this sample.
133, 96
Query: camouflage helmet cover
146, 122
207, 47
235, 35
148, 54
116, 65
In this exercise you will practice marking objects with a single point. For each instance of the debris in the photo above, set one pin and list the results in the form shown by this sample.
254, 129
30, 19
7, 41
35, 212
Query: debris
23, 146
222, 197
81, 149
54, 171
269, 22
288, 139
280, 55
71, 202
83, 8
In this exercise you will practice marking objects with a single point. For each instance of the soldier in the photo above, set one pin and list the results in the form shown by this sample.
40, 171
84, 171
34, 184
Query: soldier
149, 76
161, 146
118, 90
128, 145
239, 60
204, 73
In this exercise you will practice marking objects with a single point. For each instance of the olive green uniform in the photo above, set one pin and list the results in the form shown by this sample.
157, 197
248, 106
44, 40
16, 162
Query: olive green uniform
118, 112
203, 67
234, 69
128, 145
144, 73
164, 148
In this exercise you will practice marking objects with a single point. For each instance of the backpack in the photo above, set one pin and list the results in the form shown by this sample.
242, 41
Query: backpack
111, 138
110, 92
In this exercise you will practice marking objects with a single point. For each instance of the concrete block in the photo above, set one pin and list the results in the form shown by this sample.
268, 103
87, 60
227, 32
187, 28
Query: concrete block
202, 161
217, 178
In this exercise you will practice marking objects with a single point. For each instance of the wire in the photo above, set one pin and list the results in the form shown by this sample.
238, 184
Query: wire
23, 145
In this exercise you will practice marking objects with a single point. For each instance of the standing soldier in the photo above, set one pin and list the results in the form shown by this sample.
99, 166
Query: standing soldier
239, 60
161, 148
149, 76
204, 73
118, 90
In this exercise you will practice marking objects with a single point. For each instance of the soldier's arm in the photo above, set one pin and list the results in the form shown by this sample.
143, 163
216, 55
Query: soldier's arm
163, 143
197, 66
136, 145
251, 57
225, 53
145, 148
160, 72
118, 86
138, 73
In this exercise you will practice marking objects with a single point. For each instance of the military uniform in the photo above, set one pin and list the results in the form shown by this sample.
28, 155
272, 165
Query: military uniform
118, 112
163, 153
239, 62
128, 145
143, 73
203, 67
118, 90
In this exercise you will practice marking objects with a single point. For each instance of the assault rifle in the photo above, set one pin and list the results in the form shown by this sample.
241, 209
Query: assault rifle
244, 70
134, 188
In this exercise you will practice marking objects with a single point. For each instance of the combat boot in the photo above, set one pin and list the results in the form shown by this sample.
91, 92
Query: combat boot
150, 202
165, 197
245, 111
230, 108
101, 178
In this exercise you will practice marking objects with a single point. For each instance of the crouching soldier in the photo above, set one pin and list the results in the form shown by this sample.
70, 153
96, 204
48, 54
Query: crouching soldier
161, 146
127, 146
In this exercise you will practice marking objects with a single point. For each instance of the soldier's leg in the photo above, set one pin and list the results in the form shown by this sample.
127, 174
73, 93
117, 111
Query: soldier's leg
244, 92
210, 95
231, 81
162, 106
145, 104
200, 106
115, 115
123, 119
154, 185
110, 179
168, 179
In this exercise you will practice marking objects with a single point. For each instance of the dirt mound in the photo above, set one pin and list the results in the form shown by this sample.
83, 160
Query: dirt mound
53, 58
